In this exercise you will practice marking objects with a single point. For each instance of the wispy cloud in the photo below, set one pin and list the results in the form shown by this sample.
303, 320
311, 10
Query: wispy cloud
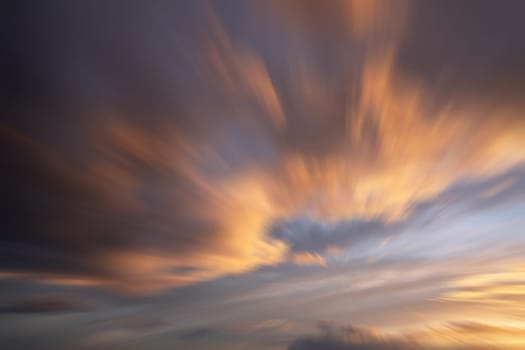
264, 164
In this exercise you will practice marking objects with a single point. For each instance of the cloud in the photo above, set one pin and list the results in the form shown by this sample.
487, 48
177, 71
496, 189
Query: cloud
309, 235
461, 335
150, 154
472, 335
197, 334
500, 293
109, 245
466, 58
336, 344
308, 259
350, 338
44, 304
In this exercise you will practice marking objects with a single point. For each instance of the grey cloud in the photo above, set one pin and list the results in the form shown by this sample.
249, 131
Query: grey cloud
467, 49
314, 236
336, 343
197, 333
469, 197
45, 304
327, 343
464, 197
349, 338
72, 69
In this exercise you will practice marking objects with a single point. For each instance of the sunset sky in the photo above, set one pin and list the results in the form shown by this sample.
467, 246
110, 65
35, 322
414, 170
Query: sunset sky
263, 175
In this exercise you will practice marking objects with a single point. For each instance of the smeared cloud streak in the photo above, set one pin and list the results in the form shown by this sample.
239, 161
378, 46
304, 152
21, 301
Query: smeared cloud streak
222, 174
190, 166
44, 304
351, 337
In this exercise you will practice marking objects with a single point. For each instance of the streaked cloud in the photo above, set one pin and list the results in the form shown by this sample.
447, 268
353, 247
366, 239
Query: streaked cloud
200, 187
224, 174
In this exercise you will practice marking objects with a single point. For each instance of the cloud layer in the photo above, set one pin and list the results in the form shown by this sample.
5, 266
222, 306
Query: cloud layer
224, 174
161, 150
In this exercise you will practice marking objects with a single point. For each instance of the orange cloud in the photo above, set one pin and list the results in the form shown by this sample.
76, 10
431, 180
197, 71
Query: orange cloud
306, 258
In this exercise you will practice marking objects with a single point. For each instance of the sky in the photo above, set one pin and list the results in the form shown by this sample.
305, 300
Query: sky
278, 174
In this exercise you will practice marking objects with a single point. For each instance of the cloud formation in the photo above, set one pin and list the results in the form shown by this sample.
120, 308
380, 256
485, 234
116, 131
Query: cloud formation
460, 335
173, 147
350, 338
44, 304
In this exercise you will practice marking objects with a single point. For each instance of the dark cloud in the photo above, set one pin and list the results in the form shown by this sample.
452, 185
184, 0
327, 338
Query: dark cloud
45, 304
327, 343
94, 109
467, 49
355, 339
349, 338
197, 333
